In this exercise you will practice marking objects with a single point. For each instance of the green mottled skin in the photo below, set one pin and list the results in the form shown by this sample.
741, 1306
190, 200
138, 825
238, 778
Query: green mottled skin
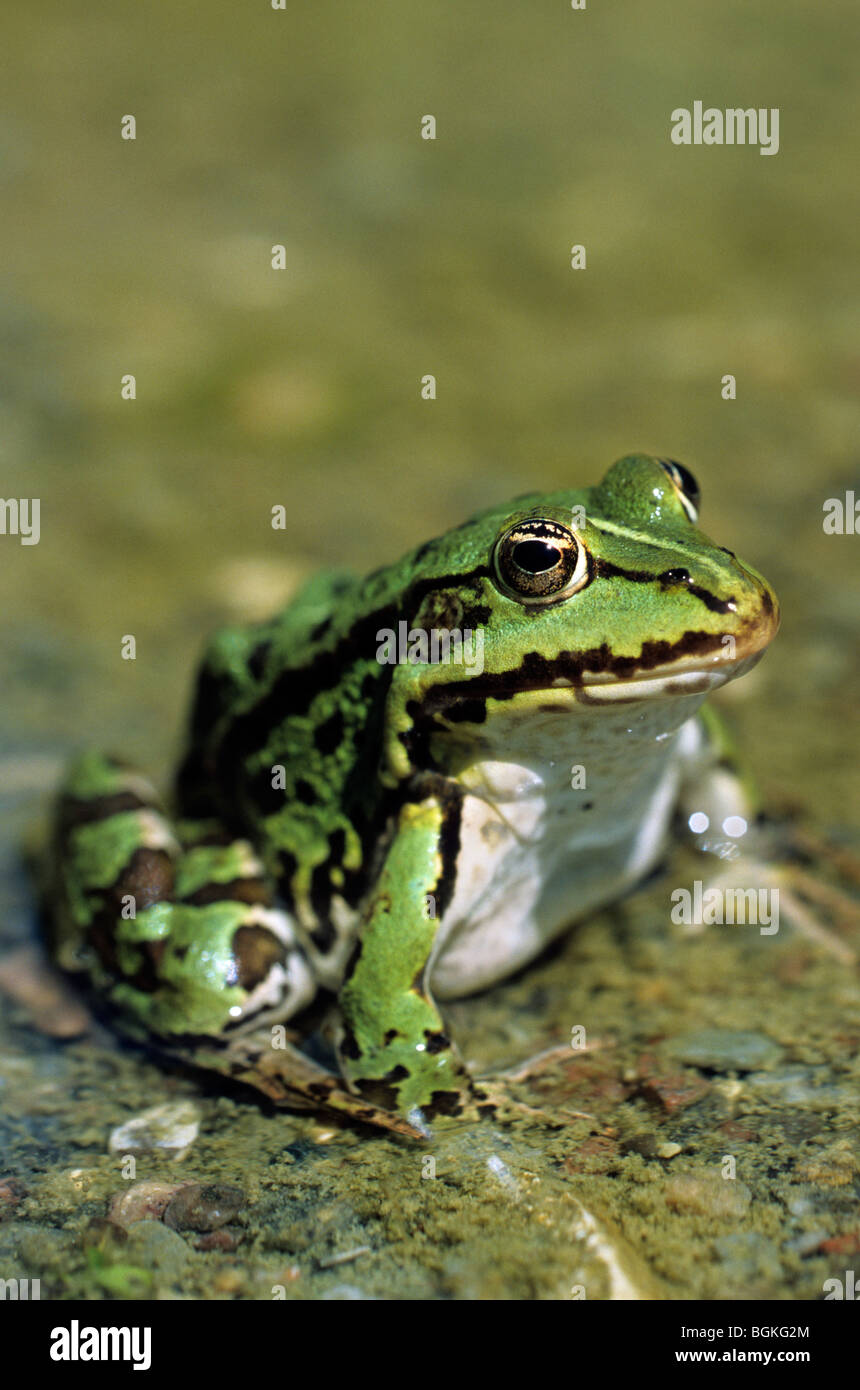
346, 774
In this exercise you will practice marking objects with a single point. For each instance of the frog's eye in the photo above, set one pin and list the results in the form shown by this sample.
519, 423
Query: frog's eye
687, 487
539, 561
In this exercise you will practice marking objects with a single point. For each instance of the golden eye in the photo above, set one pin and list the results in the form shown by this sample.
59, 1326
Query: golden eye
686, 485
540, 561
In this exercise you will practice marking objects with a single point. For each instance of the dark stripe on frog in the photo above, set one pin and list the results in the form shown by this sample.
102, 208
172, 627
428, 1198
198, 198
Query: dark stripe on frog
450, 798
666, 578
75, 810
324, 934
147, 878
238, 890
294, 689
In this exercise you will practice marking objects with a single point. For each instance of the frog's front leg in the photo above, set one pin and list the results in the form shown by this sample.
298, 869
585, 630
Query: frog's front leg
394, 1050
174, 925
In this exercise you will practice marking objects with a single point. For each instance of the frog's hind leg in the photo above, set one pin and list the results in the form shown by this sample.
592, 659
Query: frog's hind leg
177, 931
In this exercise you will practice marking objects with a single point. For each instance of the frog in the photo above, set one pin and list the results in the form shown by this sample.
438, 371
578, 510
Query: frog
362, 830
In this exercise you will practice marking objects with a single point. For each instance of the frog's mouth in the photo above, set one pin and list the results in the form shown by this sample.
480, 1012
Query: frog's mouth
675, 678
695, 664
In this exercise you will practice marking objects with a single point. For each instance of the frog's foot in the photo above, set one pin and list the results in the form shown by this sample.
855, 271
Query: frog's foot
269, 1061
498, 1100
175, 928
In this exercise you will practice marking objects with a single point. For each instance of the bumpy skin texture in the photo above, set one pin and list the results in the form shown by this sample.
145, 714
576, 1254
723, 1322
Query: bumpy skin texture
323, 780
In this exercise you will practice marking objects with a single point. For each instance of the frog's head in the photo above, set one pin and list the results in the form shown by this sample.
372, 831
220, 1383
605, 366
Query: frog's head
603, 595
616, 591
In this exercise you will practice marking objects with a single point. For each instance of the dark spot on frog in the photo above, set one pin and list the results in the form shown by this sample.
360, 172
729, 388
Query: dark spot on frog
436, 1042
255, 951
382, 1094
444, 1103
336, 845
148, 977
468, 711
288, 864
349, 1046
148, 878
267, 800
390, 1036
328, 735
349, 968
323, 935
305, 793
258, 658
238, 890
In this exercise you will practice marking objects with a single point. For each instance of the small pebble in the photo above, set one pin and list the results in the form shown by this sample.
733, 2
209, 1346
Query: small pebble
50, 1002
810, 1086
669, 1150
719, 1049
11, 1193
173, 1126
154, 1247
675, 1091
203, 1208
708, 1194
144, 1201
227, 1238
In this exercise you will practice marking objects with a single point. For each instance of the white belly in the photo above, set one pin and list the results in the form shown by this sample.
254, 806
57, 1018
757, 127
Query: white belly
536, 853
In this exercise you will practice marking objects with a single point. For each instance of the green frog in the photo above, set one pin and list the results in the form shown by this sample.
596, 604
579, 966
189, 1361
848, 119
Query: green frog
400, 789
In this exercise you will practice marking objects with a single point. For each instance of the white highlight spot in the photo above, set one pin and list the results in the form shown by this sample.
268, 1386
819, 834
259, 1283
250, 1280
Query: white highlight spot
699, 822
235, 1011
500, 1169
734, 826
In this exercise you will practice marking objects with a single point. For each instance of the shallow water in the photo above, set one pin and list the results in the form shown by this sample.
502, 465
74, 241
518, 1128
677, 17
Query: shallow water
302, 387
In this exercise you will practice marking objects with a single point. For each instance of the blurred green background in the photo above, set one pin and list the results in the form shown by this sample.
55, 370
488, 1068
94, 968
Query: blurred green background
302, 387
407, 257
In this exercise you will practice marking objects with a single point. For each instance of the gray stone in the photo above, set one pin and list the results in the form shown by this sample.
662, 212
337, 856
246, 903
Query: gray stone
719, 1049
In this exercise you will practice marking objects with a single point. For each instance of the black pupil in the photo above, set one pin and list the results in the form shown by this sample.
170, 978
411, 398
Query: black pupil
535, 557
